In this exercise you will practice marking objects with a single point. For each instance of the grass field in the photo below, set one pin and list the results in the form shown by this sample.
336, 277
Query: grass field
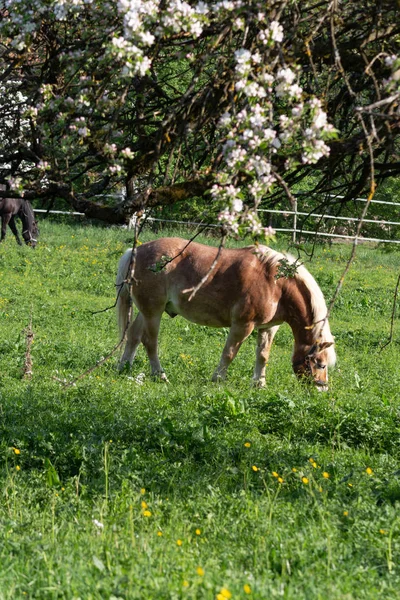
120, 487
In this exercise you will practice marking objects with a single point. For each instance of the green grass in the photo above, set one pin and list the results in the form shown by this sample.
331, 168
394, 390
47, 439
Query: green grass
203, 457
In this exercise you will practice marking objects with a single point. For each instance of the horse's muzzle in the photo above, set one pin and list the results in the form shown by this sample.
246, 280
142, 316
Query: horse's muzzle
322, 386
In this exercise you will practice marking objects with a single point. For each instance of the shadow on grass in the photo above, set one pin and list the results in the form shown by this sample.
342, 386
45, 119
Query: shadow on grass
179, 440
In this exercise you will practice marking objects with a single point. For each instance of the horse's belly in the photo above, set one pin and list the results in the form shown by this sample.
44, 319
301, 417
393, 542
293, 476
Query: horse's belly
207, 320
209, 316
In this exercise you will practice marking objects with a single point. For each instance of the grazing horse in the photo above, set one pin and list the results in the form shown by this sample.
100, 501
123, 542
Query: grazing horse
9, 209
241, 289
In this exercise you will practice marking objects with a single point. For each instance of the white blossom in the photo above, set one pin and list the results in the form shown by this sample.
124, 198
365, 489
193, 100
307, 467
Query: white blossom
98, 524
276, 30
287, 75
320, 119
237, 205
225, 119
389, 60
127, 153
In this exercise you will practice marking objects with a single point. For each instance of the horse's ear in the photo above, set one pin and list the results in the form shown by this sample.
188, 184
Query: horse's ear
324, 345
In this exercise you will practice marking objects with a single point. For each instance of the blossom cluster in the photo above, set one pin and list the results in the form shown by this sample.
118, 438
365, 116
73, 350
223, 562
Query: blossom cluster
268, 121
257, 132
143, 22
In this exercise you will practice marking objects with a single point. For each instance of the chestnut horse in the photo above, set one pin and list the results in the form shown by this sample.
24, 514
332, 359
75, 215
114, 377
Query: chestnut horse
243, 291
12, 207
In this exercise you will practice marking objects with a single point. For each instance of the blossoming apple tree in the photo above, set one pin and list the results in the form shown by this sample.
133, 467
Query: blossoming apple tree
230, 101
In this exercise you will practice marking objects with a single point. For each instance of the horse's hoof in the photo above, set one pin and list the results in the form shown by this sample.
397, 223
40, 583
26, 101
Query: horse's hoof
124, 367
259, 383
160, 376
218, 378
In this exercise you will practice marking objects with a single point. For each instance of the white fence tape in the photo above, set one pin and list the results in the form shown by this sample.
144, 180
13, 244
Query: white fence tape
294, 230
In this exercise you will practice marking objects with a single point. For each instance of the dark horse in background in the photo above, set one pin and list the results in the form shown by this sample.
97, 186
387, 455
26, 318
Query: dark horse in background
12, 207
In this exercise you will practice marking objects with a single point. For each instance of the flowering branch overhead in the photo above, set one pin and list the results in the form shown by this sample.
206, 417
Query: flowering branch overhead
230, 101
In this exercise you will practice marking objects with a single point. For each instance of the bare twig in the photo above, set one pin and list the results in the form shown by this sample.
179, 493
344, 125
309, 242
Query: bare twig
372, 171
129, 280
169, 260
97, 312
378, 104
96, 365
285, 187
193, 291
28, 365
393, 314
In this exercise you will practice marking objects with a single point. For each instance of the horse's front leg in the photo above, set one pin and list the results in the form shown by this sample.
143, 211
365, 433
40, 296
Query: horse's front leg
264, 343
237, 334
150, 342
14, 229
5, 219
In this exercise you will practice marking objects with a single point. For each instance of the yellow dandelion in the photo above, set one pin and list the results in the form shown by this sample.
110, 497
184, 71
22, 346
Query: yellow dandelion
144, 504
17, 451
369, 471
200, 571
294, 469
142, 491
275, 474
247, 444
326, 475
225, 593
198, 531
179, 542
254, 468
18, 468
247, 588
159, 533
314, 464
345, 513
280, 479
382, 532
311, 460
185, 583
147, 513
350, 484
304, 480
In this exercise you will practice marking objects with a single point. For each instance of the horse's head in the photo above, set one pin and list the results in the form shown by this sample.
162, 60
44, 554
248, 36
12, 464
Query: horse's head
31, 234
314, 364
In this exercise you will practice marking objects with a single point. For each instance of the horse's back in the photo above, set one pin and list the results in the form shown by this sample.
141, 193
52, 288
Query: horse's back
236, 286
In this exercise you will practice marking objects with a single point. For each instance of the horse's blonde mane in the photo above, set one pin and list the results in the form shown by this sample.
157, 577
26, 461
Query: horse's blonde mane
319, 309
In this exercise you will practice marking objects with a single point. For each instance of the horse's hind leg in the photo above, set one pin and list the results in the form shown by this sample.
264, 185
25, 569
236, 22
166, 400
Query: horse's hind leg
264, 343
134, 337
237, 334
14, 229
150, 342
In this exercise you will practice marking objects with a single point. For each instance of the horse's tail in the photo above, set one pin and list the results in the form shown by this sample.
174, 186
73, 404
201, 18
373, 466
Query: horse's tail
30, 229
123, 300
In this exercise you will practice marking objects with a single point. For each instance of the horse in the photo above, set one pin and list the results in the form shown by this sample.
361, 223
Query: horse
12, 207
242, 289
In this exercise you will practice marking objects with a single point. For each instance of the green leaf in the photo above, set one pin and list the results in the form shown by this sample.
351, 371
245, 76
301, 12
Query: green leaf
52, 477
98, 563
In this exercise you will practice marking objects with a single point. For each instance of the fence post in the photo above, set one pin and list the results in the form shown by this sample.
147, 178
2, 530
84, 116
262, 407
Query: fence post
294, 220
